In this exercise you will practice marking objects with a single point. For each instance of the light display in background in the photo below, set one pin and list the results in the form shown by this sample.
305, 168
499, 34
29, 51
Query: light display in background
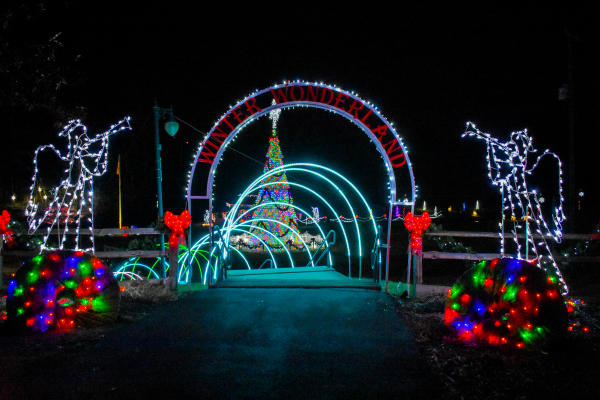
57, 289
506, 302
235, 232
340, 218
315, 213
6, 234
277, 191
197, 256
509, 164
242, 240
84, 159
208, 218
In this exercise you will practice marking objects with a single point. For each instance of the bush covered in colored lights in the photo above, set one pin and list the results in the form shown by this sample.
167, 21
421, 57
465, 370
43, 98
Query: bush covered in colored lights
506, 302
61, 290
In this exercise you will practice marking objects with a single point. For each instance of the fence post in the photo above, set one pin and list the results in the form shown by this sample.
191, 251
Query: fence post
412, 284
173, 270
419, 268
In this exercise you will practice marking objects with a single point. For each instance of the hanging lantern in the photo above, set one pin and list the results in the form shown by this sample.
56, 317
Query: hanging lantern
172, 127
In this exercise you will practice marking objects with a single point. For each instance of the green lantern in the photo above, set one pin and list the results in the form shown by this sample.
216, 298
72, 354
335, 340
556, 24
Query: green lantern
172, 127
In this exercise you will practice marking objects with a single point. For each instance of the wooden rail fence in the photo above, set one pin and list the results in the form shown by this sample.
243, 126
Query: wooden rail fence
439, 255
433, 255
4, 252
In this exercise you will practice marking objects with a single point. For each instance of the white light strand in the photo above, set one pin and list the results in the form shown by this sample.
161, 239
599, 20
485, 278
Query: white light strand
376, 110
346, 220
84, 163
274, 115
315, 212
507, 164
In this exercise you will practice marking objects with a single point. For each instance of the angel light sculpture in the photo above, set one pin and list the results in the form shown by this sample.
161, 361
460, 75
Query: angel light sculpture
71, 205
509, 164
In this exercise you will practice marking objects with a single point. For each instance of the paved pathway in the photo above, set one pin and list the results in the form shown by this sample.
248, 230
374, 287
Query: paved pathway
244, 343
299, 277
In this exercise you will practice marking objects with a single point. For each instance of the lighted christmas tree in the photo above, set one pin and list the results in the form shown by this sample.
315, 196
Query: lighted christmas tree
277, 190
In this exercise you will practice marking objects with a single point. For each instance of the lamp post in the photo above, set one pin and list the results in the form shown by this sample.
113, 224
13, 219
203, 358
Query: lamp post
171, 126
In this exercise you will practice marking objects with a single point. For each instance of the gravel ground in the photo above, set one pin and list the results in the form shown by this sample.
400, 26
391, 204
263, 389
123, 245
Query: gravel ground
567, 369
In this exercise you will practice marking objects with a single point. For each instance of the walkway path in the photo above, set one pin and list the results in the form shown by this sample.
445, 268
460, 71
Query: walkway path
243, 343
299, 277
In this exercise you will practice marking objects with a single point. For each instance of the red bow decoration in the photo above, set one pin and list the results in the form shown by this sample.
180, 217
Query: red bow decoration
416, 226
4, 230
177, 224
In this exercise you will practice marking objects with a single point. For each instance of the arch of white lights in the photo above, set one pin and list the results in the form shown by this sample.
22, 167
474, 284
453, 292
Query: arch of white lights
217, 140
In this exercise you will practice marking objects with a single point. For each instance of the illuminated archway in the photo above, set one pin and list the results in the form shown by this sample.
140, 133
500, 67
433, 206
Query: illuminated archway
402, 190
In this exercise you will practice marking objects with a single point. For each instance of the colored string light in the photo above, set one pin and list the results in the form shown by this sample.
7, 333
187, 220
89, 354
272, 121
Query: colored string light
52, 290
274, 200
505, 302
177, 224
416, 226
339, 218
5, 232
509, 165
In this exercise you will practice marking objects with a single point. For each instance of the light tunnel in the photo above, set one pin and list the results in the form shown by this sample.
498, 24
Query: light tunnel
209, 260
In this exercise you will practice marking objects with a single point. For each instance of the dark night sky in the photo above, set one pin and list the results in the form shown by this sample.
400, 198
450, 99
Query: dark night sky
428, 73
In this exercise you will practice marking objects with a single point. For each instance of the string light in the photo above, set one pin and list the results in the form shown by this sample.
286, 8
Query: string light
54, 289
276, 198
244, 239
6, 233
340, 218
177, 224
381, 132
509, 165
86, 158
505, 302
305, 237
416, 226
315, 213
309, 168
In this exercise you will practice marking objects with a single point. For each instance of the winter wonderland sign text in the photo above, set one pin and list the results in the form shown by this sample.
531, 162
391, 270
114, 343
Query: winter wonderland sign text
298, 93
305, 94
